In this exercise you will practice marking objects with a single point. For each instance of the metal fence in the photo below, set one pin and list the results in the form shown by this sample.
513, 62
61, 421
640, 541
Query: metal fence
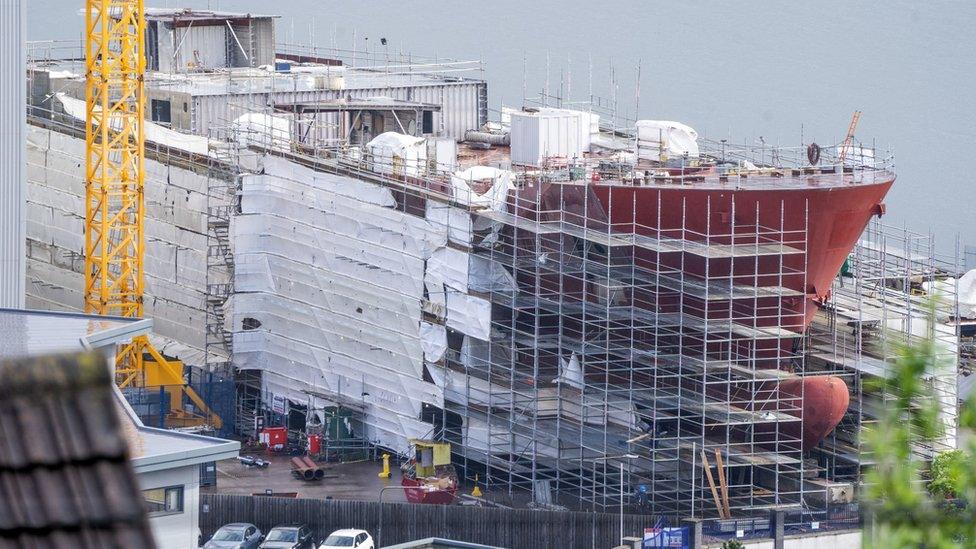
514, 528
833, 518
153, 404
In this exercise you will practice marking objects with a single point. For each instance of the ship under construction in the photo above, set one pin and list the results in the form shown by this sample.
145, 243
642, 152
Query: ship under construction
593, 310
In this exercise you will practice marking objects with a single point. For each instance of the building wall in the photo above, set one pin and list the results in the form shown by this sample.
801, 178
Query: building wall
179, 530
822, 540
12, 109
176, 241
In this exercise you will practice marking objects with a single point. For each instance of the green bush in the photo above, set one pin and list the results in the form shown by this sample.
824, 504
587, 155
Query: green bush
946, 473
905, 500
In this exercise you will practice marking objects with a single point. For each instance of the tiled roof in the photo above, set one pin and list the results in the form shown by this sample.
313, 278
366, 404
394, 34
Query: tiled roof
65, 480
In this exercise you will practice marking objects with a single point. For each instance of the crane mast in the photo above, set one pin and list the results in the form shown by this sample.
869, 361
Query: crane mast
115, 176
115, 168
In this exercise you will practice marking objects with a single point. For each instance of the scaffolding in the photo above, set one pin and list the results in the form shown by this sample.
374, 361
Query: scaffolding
651, 342
899, 289
632, 341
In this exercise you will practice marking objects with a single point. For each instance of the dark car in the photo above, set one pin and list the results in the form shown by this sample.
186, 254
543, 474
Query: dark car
296, 536
239, 535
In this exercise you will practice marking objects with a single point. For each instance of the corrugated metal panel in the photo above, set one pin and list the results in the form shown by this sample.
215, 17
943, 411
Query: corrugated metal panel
458, 101
204, 46
13, 89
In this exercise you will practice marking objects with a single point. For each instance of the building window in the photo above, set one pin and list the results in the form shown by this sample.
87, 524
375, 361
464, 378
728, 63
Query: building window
160, 111
428, 122
164, 501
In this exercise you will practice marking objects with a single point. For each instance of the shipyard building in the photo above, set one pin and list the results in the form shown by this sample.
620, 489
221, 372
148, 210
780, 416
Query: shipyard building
592, 310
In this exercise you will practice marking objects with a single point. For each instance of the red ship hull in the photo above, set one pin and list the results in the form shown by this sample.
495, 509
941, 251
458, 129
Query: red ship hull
817, 219
829, 219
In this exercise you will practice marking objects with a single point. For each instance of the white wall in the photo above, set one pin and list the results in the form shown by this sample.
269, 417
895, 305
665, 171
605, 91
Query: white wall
12, 105
176, 240
824, 540
176, 531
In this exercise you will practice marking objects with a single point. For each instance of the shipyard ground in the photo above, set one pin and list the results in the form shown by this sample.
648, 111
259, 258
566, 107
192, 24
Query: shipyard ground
357, 480
351, 481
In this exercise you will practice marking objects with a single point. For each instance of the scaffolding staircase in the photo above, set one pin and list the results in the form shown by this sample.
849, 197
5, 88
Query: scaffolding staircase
221, 202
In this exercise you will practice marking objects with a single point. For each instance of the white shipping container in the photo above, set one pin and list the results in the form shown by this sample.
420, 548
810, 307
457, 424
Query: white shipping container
551, 134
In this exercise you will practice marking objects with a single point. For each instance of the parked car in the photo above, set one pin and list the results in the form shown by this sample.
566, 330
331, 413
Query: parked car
296, 536
238, 535
358, 539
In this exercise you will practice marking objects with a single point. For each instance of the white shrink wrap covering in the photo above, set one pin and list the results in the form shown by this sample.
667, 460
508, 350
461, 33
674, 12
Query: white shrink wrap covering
469, 314
262, 130
672, 139
399, 155
334, 279
455, 222
449, 266
434, 340
155, 133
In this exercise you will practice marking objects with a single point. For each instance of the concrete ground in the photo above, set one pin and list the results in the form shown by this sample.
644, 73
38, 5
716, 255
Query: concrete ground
351, 481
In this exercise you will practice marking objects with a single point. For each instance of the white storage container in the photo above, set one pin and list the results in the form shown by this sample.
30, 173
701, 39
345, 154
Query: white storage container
547, 135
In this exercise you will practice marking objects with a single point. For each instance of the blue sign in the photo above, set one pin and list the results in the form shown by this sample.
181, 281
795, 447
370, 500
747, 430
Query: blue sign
661, 538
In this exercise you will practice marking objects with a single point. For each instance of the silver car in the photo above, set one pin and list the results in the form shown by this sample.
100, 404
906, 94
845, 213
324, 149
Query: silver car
239, 535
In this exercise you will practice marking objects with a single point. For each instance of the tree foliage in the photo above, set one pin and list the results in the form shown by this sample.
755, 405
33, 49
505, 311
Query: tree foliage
910, 504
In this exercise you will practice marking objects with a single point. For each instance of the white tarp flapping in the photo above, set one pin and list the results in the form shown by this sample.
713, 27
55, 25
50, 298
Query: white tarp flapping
664, 137
483, 186
396, 154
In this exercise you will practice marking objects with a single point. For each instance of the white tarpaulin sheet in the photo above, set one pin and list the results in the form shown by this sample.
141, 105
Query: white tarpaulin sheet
483, 186
154, 132
469, 314
320, 187
335, 279
262, 130
672, 139
965, 286
485, 275
434, 339
453, 221
397, 154
449, 266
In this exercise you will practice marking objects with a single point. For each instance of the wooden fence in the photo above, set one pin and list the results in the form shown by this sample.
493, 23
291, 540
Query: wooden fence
511, 528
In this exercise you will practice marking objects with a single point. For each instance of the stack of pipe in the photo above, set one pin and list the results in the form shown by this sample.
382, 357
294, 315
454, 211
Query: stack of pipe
303, 468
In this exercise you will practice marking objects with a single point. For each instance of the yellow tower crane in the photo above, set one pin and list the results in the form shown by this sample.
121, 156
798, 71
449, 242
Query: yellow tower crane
115, 175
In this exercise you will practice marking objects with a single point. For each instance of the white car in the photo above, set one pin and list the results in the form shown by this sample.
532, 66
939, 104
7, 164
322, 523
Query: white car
358, 539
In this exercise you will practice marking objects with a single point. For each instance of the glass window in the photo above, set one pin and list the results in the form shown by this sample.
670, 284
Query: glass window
160, 111
339, 541
282, 534
231, 534
162, 501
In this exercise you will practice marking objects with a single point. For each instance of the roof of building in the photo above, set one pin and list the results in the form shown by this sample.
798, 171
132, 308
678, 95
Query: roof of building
33, 333
65, 480
26, 333
190, 14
